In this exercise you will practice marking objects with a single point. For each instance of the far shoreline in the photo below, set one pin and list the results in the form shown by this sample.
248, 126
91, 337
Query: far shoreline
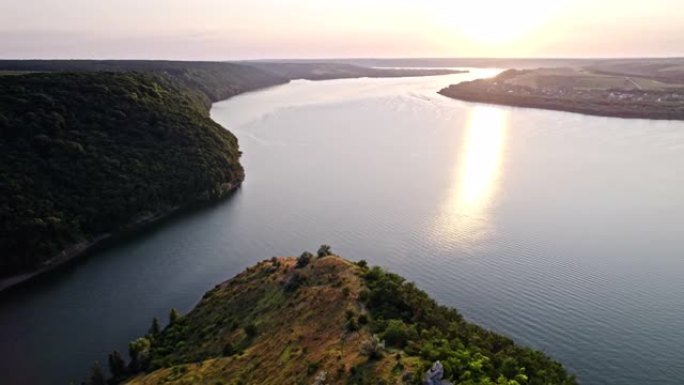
521, 102
577, 90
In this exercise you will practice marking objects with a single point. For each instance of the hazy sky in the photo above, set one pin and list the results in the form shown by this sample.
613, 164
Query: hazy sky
248, 29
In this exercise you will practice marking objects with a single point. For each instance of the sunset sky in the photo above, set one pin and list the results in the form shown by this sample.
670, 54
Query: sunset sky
254, 29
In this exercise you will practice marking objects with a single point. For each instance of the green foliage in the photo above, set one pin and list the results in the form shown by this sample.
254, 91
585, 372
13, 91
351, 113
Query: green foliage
228, 350
407, 317
174, 315
154, 328
303, 260
396, 333
294, 281
96, 375
250, 330
351, 325
117, 365
82, 155
139, 351
324, 251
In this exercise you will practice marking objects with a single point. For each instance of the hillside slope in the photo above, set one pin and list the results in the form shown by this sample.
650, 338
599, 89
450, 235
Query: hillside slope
328, 321
86, 155
216, 80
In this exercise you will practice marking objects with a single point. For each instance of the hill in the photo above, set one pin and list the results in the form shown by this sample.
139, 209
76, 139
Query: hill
313, 70
325, 320
87, 155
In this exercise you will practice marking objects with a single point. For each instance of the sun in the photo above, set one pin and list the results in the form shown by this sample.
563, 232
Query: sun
500, 21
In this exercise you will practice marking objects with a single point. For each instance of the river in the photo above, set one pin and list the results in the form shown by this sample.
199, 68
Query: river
563, 231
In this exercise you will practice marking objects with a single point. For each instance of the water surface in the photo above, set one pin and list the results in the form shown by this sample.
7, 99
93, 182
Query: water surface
561, 230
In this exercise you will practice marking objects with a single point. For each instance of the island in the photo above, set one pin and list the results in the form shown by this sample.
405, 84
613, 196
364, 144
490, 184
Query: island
593, 90
321, 319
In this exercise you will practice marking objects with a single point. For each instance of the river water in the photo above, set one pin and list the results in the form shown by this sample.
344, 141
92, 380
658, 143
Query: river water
563, 231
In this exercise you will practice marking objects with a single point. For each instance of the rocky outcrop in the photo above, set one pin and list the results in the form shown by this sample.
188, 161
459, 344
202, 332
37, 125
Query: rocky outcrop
435, 375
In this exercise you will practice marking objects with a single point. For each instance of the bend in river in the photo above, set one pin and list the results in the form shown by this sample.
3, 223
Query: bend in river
560, 230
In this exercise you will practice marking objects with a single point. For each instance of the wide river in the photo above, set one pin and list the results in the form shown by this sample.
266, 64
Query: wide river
563, 231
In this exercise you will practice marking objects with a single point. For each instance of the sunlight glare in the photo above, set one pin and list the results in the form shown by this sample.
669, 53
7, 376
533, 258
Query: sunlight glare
476, 177
500, 21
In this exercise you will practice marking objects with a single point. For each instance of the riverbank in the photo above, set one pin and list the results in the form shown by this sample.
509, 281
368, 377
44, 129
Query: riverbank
86, 248
579, 91
47, 227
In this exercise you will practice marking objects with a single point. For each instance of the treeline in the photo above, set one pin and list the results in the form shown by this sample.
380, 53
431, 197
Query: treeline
216, 80
405, 317
85, 154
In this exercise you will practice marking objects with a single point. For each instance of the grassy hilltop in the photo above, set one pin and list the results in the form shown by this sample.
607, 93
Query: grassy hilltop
325, 320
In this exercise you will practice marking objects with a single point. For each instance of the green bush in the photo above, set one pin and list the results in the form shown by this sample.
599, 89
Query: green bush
303, 260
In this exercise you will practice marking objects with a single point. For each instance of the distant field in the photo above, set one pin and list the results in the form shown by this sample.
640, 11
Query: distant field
595, 91
582, 79
10, 73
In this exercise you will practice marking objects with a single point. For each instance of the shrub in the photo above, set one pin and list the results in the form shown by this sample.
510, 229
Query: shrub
174, 315
251, 330
324, 251
373, 348
96, 375
294, 281
351, 325
303, 260
154, 328
228, 350
395, 334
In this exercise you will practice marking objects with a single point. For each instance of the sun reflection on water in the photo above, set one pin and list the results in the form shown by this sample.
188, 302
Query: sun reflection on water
464, 218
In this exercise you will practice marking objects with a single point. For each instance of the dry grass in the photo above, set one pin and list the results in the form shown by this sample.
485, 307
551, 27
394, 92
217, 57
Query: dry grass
300, 334
581, 79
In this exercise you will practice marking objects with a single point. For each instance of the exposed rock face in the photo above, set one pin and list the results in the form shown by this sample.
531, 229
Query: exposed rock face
434, 375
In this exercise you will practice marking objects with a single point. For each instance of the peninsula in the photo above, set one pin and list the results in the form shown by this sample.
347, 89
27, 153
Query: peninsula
324, 320
600, 90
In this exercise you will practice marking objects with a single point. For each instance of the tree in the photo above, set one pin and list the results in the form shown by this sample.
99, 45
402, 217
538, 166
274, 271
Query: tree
96, 375
395, 334
303, 260
228, 350
117, 365
139, 350
155, 328
251, 330
324, 251
174, 315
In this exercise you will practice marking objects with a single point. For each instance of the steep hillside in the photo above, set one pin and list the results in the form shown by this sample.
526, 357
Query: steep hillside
86, 155
325, 320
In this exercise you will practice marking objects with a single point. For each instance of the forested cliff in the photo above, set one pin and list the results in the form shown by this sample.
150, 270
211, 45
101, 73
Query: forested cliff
88, 154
